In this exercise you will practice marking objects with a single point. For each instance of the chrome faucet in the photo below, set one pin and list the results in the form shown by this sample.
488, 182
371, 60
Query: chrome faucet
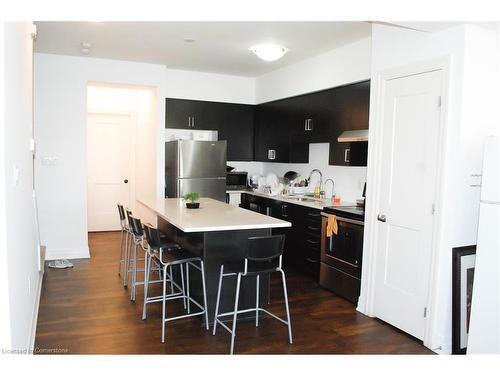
320, 178
333, 185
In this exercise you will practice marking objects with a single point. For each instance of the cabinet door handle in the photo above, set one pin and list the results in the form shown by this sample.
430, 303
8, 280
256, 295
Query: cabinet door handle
347, 151
313, 228
192, 122
313, 242
381, 218
189, 121
313, 215
271, 154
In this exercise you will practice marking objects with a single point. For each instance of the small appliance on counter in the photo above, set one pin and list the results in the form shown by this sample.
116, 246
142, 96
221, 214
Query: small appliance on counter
236, 180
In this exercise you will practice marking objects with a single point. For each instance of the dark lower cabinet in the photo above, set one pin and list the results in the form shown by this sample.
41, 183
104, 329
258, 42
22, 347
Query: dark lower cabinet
303, 238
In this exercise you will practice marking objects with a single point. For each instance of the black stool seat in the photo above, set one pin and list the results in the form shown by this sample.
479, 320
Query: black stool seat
170, 256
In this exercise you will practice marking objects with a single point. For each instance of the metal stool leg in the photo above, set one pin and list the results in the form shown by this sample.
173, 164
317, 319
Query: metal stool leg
218, 298
127, 259
205, 306
147, 270
187, 289
163, 313
134, 274
183, 286
289, 323
171, 276
235, 314
257, 301
120, 259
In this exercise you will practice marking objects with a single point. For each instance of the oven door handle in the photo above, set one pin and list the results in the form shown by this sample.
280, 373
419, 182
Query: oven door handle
339, 218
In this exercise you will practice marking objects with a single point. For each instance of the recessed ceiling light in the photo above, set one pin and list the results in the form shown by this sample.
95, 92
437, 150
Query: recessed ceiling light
189, 40
269, 52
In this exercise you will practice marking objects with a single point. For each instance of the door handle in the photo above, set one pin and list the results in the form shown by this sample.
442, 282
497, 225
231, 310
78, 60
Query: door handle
125, 181
381, 218
347, 152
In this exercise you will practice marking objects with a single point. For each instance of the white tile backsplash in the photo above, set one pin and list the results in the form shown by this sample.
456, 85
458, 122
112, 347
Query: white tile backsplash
349, 181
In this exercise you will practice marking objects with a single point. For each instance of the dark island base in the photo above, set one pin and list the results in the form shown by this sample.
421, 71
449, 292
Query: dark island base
216, 248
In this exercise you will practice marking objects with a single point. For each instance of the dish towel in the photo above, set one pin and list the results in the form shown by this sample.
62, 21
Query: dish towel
331, 226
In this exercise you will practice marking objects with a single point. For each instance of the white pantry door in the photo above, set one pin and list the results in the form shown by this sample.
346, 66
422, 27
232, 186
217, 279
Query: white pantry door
410, 131
108, 169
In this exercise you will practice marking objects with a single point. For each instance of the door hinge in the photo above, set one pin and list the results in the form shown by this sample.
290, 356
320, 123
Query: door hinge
425, 312
33, 32
439, 101
433, 209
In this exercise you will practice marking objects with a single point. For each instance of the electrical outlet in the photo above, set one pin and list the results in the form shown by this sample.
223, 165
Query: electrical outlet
15, 175
50, 160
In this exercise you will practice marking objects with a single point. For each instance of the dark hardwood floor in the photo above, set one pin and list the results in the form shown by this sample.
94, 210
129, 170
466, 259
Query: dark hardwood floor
87, 310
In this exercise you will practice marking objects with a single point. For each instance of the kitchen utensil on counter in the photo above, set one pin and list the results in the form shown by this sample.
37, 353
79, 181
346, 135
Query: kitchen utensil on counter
290, 176
261, 182
271, 179
254, 181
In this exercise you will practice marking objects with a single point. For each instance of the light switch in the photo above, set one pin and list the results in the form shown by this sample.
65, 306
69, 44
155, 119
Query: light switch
50, 160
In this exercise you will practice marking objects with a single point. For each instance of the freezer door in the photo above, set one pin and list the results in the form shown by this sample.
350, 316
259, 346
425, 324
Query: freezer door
202, 159
207, 187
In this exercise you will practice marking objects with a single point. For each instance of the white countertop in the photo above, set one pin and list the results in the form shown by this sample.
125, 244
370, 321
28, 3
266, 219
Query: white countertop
211, 216
317, 204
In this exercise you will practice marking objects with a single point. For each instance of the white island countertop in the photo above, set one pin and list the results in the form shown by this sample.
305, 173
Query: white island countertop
211, 216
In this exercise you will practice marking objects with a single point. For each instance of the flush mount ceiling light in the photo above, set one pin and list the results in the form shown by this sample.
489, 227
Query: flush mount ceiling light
269, 52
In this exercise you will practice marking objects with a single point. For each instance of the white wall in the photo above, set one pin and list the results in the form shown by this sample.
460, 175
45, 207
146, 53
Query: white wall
185, 84
346, 64
467, 118
20, 279
60, 117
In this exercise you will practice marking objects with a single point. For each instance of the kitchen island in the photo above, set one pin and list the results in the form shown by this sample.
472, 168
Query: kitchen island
217, 232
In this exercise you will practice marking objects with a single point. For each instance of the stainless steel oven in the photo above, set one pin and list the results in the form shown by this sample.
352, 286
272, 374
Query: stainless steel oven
341, 256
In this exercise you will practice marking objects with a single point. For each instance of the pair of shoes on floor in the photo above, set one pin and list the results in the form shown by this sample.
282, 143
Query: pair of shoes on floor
60, 264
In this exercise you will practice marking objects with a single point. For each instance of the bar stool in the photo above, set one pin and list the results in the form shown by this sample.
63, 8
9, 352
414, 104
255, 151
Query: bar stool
263, 256
124, 231
170, 256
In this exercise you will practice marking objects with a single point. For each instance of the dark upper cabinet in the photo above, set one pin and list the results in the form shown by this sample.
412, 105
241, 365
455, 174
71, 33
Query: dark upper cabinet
237, 128
233, 122
272, 137
351, 112
281, 131
311, 116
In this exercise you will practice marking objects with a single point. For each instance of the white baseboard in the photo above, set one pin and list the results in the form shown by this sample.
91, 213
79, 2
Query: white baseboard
441, 345
76, 253
34, 318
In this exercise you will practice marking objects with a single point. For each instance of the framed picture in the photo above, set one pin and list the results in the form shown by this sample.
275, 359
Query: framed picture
464, 259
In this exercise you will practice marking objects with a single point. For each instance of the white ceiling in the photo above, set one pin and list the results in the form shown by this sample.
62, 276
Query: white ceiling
219, 47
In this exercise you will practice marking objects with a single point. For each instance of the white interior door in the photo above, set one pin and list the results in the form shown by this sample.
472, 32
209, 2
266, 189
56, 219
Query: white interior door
109, 169
410, 131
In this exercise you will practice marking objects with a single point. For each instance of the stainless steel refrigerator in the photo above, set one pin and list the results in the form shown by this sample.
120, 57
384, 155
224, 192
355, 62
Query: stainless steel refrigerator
195, 166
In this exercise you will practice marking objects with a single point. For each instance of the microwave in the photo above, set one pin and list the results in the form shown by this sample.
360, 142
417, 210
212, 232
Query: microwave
236, 180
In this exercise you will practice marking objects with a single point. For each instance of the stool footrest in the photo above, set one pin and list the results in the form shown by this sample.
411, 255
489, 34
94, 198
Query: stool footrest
252, 310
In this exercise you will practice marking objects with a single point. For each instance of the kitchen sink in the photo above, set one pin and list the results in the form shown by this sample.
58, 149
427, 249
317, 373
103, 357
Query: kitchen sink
304, 199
